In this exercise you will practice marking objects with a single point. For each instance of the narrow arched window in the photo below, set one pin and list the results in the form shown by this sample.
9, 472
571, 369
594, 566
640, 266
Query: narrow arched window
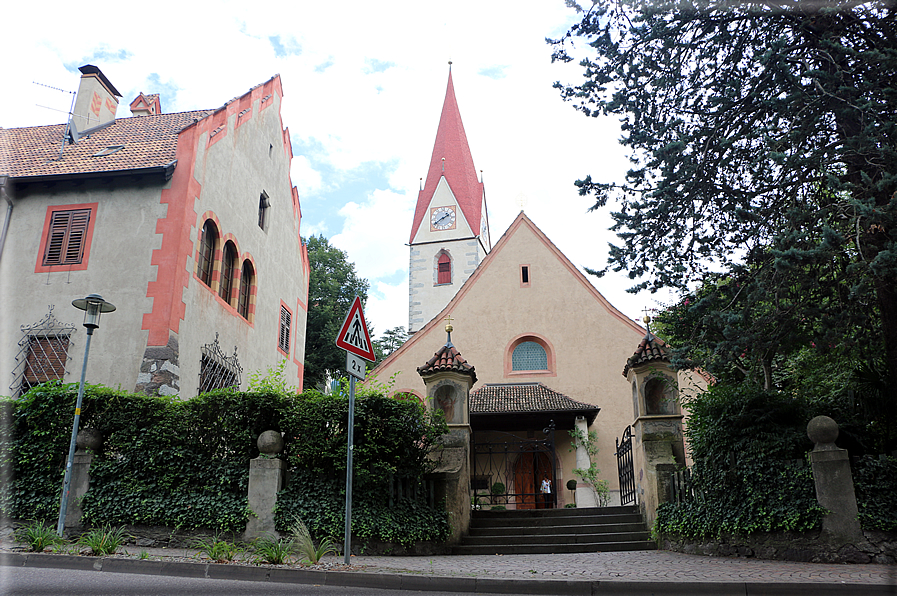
444, 269
207, 252
228, 270
247, 278
529, 355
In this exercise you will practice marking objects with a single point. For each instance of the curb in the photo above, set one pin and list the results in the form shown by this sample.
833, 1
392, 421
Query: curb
436, 583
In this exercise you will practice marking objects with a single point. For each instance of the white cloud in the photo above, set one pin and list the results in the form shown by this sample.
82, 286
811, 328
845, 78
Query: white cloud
356, 110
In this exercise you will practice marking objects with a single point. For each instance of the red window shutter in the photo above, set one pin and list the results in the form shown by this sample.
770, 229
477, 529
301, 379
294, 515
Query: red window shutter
444, 270
65, 244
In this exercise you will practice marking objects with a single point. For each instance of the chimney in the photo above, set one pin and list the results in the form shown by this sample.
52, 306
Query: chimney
97, 99
146, 105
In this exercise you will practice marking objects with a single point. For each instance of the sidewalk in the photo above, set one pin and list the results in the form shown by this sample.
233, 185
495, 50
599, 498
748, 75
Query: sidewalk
641, 572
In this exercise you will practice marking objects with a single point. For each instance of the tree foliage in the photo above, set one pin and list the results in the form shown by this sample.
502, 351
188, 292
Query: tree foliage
389, 342
332, 287
763, 138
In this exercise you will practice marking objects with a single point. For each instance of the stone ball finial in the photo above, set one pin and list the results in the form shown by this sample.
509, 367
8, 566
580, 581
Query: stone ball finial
270, 442
89, 438
823, 431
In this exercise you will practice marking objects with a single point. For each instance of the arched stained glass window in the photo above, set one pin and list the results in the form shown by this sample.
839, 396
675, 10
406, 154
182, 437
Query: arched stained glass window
529, 355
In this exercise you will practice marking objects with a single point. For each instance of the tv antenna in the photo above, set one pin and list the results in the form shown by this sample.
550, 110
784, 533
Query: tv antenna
69, 114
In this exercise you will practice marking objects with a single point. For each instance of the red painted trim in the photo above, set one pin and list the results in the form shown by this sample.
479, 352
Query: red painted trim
218, 127
292, 321
170, 260
296, 361
82, 266
551, 371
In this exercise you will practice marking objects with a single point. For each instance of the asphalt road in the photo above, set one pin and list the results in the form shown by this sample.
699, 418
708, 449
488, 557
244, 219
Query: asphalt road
22, 581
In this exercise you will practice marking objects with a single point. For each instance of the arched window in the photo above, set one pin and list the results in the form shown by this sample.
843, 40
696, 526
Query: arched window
247, 278
228, 269
529, 355
207, 252
443, 269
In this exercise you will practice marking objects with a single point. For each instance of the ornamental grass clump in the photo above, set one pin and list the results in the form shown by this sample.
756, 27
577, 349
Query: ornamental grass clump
220, 551
306, 545
272, 550
38, 536
104, 540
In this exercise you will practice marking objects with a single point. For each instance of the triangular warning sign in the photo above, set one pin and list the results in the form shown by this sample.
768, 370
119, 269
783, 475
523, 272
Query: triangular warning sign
353, 336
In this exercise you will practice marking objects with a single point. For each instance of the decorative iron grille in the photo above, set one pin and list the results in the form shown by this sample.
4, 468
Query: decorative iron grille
624, 467
43, 353
217, 371
509, 469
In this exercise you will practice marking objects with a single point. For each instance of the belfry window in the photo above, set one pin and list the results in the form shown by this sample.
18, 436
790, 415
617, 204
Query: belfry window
444, 269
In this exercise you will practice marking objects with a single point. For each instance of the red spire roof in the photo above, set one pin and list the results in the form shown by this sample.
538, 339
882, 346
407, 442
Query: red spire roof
460, 173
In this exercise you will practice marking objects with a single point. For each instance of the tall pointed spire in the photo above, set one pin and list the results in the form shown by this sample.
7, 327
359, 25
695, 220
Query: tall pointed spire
451, 158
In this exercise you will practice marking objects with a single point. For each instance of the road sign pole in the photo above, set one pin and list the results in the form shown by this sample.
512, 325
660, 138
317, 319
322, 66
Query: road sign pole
347, 541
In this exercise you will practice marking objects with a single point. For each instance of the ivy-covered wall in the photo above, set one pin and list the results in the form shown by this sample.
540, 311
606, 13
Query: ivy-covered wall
184, 464
755, 492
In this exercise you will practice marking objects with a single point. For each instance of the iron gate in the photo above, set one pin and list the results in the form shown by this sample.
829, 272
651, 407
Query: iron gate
624, 467
508, 470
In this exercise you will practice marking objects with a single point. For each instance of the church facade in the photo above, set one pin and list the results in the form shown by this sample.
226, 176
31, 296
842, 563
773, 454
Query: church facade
548, 348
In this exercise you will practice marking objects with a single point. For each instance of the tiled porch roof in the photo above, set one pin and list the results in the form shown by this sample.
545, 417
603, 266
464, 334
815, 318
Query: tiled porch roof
501, 398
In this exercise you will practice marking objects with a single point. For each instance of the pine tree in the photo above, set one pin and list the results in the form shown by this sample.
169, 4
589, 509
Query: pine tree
763, 137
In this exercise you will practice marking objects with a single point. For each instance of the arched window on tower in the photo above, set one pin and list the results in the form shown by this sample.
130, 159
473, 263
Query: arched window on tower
443, 269
247, 279
207, 252
228, 272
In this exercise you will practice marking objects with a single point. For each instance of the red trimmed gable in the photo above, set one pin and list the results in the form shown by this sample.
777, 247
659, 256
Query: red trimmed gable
460, 173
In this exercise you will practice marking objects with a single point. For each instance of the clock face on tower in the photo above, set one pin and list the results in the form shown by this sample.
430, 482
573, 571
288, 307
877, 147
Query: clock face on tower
442, 218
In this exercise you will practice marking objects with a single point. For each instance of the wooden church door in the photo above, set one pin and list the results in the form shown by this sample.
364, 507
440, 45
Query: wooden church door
530, 470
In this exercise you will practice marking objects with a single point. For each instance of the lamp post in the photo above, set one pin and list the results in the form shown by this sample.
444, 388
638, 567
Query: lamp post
93, 306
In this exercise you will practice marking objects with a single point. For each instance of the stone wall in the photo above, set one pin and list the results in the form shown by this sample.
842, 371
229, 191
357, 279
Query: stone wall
877, 547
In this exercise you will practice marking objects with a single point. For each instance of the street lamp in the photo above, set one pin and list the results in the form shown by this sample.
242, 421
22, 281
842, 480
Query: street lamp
93, 306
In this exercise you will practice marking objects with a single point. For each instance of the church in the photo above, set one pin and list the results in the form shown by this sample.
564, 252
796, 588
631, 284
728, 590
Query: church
548, 350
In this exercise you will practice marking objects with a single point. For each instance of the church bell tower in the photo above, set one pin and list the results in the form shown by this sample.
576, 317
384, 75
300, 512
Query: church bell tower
450, 232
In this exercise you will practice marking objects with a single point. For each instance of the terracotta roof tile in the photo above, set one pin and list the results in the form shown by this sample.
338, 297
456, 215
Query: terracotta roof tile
500, 398
148, 141
649, 350
447, 358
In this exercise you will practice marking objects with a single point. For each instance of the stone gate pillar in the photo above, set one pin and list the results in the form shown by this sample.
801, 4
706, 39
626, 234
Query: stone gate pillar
88, 441
448, 379
834, 483
266, 478
658, 445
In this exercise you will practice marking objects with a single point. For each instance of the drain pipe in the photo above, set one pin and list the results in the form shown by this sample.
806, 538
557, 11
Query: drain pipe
4, 184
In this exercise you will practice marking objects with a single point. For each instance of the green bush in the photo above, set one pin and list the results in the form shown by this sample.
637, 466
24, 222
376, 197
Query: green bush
749, 448
875, 481
185, 464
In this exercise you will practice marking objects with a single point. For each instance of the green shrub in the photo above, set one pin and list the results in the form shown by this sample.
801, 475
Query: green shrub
185, 464
305, 545
220, 551
38, 536
275, 551
875, 481
104, 540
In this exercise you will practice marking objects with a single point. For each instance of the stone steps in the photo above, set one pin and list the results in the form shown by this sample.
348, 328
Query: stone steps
546, 531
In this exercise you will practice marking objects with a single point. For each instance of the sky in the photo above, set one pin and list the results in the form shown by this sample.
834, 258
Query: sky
364, 85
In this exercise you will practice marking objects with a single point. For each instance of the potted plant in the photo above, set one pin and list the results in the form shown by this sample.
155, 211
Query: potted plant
498, 490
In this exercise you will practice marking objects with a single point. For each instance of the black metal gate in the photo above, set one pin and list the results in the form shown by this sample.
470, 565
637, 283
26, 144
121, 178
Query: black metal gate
624, 467
508, 470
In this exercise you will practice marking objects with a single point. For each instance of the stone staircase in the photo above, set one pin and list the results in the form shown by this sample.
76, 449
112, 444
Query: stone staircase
547, 531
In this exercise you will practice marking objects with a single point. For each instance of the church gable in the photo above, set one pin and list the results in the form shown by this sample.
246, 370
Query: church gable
527, 292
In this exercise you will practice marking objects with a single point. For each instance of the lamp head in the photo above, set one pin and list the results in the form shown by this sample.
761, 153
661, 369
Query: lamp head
93, 306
